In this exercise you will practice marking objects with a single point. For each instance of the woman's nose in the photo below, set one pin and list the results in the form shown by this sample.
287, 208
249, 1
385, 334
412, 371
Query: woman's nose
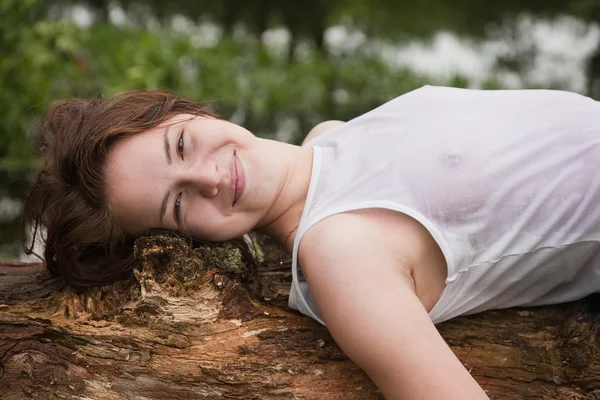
204, 177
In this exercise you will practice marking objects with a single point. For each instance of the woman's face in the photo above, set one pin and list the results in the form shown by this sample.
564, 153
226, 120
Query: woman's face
195, 174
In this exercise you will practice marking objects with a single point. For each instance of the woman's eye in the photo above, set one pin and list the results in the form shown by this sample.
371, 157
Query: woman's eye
180, 146
176, 209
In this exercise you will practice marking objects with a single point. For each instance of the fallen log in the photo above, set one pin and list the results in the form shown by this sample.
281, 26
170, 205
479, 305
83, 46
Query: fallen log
196, 322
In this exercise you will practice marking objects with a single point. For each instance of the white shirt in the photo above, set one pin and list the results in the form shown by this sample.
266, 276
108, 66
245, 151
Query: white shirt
506, 182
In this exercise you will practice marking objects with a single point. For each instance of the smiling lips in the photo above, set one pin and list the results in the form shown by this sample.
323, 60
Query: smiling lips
238, 178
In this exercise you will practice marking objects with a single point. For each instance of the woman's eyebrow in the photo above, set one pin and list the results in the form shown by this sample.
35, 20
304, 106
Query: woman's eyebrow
163, 204
167, 146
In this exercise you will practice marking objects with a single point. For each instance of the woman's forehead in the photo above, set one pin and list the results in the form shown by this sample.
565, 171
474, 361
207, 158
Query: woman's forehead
175, 120
134, 176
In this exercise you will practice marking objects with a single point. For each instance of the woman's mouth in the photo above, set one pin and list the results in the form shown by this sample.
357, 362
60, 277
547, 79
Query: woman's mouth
238, 178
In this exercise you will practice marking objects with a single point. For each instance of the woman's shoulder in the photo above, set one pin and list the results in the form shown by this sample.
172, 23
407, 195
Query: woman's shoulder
321, 128
346, 239
341, 235
378, 237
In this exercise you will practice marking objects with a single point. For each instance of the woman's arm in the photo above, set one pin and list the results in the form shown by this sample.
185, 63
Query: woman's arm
369, 305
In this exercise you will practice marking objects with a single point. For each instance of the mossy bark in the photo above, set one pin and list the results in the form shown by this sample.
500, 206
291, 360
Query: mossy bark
197, 323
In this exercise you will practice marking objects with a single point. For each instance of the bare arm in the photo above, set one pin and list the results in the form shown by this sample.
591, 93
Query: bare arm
321, 128
369, 305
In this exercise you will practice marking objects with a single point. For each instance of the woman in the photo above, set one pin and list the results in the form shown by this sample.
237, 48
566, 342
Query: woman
439, 203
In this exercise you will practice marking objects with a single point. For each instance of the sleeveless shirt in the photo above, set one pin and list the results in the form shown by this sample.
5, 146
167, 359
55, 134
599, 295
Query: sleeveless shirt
507, 182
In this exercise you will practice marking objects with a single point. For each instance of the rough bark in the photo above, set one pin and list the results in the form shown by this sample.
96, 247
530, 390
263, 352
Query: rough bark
197, 323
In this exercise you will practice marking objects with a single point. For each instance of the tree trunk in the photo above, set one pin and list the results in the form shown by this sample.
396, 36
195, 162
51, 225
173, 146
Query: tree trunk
197, 323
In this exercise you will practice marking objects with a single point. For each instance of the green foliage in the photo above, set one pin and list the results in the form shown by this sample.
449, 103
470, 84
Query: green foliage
52, 59
44, 59
38, 62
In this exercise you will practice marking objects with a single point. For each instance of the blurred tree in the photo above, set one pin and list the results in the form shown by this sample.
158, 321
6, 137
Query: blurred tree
43, 59
101, 8
38, 59
308, 20
392, 19
397, 20
47, 59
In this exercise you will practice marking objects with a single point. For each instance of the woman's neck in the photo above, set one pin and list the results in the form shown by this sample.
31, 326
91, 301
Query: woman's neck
283, 218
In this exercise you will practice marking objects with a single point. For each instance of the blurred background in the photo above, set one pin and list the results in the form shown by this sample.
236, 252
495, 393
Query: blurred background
277, 67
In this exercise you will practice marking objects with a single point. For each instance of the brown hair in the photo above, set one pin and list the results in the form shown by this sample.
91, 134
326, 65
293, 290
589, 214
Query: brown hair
84, 242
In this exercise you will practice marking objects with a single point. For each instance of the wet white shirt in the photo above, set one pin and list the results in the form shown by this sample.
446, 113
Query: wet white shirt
506, 182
